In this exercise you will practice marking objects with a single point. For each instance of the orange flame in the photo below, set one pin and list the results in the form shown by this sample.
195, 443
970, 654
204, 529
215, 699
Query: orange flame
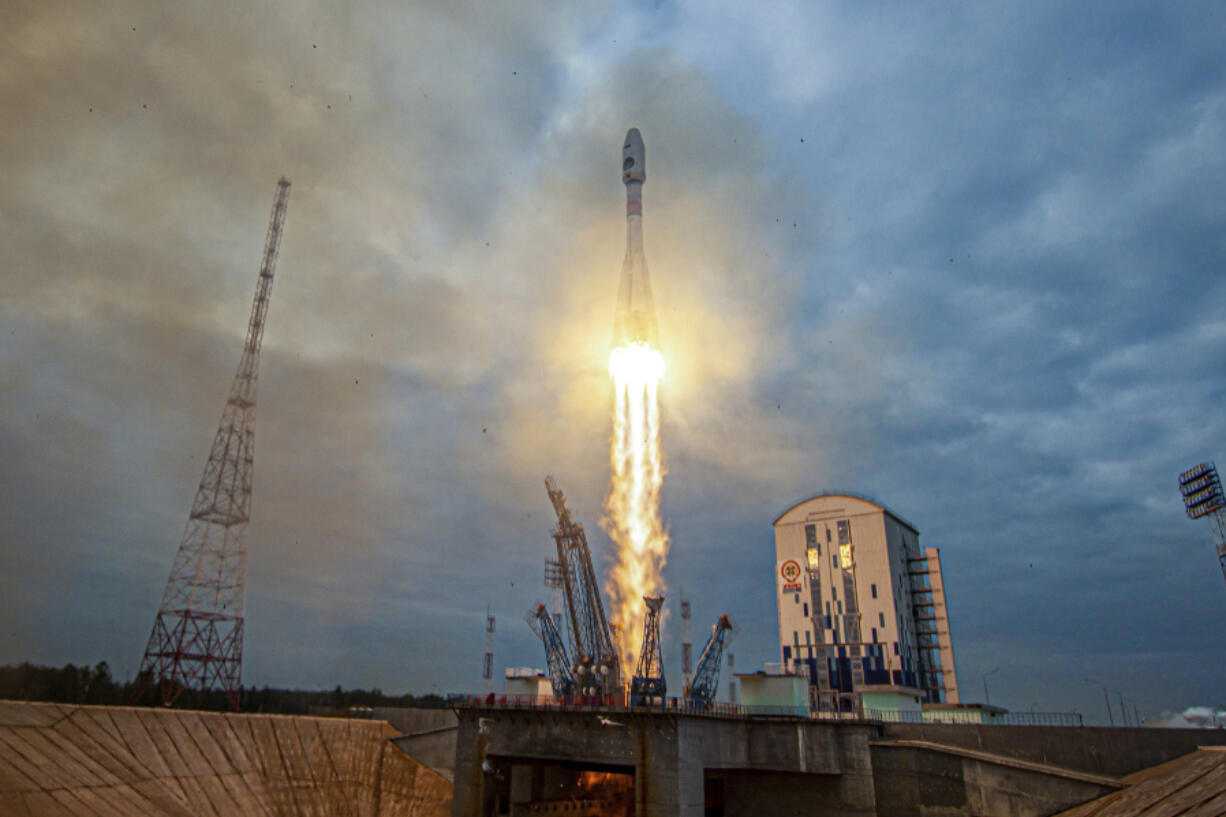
632, 508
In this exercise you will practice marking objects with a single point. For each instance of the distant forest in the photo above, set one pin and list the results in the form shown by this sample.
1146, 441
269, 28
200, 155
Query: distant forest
94, 685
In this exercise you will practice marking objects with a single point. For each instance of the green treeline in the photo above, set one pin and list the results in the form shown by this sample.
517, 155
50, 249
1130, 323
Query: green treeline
83, 684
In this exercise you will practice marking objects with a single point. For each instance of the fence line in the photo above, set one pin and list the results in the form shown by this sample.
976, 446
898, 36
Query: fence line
683, 706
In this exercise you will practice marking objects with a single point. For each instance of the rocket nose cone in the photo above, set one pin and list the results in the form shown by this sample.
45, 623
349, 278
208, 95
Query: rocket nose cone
634, 158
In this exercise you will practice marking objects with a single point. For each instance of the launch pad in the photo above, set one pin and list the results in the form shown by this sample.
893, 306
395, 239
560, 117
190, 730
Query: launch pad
511, 762
620, 761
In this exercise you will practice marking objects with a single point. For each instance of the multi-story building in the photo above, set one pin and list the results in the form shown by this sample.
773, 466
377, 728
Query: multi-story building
862, 608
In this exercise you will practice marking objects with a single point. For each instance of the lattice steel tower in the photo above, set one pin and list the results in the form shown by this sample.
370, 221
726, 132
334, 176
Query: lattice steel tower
197, 641
648, 686
597, 668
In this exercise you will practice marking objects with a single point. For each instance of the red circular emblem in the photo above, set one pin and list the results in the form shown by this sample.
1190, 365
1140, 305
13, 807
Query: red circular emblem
790, 571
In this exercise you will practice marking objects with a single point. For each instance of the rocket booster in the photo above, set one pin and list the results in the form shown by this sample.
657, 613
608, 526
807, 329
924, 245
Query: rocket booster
635, 319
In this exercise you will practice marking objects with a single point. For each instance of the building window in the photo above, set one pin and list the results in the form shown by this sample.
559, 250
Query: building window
827, 534
874, 635
896, 648
840, 608
807, 639
827, 610
796, 638
806, 608
796, 598
834, 560
834, 591
881, 620
844, 531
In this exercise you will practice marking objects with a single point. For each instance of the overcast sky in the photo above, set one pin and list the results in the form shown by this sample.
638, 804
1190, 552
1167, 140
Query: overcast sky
965, 260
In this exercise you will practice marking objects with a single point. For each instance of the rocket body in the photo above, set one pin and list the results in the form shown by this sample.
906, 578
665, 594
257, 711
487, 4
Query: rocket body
635, 318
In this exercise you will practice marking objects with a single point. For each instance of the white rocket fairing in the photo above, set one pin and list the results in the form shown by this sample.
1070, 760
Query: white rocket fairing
635, 319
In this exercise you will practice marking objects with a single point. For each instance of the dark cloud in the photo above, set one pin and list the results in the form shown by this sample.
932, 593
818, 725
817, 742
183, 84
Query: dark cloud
964, 261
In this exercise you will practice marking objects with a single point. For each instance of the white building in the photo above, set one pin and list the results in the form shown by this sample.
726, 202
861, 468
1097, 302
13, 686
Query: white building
527, 682
862, 610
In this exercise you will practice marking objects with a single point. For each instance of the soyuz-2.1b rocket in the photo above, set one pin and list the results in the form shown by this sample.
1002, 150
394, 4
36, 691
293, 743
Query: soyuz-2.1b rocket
635, 319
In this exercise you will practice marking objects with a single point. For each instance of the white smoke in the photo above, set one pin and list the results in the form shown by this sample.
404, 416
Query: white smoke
1194, 717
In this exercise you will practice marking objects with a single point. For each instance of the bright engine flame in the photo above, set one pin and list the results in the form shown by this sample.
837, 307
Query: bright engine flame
633, 506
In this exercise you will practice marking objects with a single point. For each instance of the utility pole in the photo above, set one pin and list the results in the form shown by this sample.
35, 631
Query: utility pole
1110, 718
986, 700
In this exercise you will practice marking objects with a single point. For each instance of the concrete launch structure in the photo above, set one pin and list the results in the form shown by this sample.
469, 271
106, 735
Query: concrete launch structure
862, 609
635, 318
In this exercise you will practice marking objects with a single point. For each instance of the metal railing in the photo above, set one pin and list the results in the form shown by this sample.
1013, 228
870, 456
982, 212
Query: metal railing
973, 718
681, 706
621, 703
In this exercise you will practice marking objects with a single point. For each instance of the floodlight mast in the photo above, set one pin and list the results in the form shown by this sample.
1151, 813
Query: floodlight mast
1202, 496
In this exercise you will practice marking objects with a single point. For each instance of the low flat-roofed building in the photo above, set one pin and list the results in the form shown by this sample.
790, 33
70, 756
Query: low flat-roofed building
763, 693
526, 682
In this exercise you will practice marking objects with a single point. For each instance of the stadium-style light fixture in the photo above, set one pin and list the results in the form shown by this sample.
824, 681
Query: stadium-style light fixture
1202, 496
1202, 490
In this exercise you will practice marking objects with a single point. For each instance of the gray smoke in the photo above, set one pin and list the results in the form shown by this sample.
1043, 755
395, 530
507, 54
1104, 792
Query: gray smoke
1194, 717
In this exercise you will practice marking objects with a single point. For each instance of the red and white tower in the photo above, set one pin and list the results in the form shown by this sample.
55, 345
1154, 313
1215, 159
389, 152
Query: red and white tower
197, 641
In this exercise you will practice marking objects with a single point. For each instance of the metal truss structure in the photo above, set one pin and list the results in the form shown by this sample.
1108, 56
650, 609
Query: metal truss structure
648, 685
702, 690
197, 641
597, 668
558, 663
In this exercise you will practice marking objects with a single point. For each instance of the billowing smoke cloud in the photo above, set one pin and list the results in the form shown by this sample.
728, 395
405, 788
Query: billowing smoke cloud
438, 332
1194, 717
967, 262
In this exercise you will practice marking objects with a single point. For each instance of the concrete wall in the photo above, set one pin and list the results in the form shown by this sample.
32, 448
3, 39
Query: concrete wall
428, 735
770, 793
407, 720
1114, 752
932, 781
59, 759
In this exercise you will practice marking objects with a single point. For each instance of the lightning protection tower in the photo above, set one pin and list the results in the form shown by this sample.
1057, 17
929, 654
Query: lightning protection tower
487, 664
197, 641
687, 643
1202, 496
